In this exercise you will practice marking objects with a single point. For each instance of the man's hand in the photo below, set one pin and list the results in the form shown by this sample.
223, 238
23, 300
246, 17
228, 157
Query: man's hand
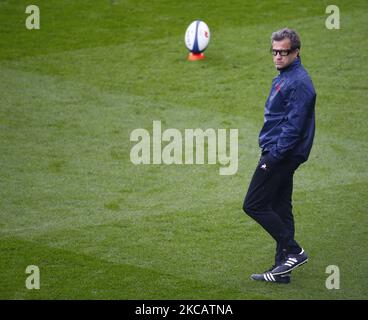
267, 162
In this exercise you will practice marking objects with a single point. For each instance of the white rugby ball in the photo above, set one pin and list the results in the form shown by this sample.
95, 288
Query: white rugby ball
197, 36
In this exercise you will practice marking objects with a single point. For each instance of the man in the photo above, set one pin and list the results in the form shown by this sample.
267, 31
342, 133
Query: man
286, 140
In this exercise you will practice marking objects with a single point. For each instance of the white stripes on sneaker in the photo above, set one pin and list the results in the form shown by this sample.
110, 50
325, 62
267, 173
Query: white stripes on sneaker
269, 277
290, 262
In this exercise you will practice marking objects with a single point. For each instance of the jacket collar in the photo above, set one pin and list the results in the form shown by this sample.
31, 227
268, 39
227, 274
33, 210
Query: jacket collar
292, 66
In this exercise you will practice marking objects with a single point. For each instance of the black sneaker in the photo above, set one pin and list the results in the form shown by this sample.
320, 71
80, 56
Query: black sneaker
269, 277
291, 262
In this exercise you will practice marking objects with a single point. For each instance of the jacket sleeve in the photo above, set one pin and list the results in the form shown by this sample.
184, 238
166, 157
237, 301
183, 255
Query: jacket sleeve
298, 109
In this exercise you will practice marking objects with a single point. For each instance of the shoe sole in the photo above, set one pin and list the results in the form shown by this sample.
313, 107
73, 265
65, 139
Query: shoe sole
280, 282
289, 270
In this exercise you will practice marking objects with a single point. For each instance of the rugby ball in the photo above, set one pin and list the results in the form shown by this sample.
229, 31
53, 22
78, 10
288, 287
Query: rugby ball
197, 36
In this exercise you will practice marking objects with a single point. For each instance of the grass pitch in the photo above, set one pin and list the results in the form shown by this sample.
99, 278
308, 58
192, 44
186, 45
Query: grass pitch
99, 227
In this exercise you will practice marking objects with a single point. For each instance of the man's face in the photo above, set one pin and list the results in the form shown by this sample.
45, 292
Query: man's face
282, 62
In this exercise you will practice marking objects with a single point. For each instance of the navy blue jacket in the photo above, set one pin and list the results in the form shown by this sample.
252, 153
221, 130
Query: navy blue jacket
289, 120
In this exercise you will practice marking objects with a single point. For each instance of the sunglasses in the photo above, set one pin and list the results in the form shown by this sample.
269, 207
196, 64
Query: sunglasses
283, 53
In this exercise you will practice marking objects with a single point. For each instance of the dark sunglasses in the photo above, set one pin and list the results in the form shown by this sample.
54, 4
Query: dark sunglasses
283, 53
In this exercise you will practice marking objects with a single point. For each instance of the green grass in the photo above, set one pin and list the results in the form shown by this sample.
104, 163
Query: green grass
99, 227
